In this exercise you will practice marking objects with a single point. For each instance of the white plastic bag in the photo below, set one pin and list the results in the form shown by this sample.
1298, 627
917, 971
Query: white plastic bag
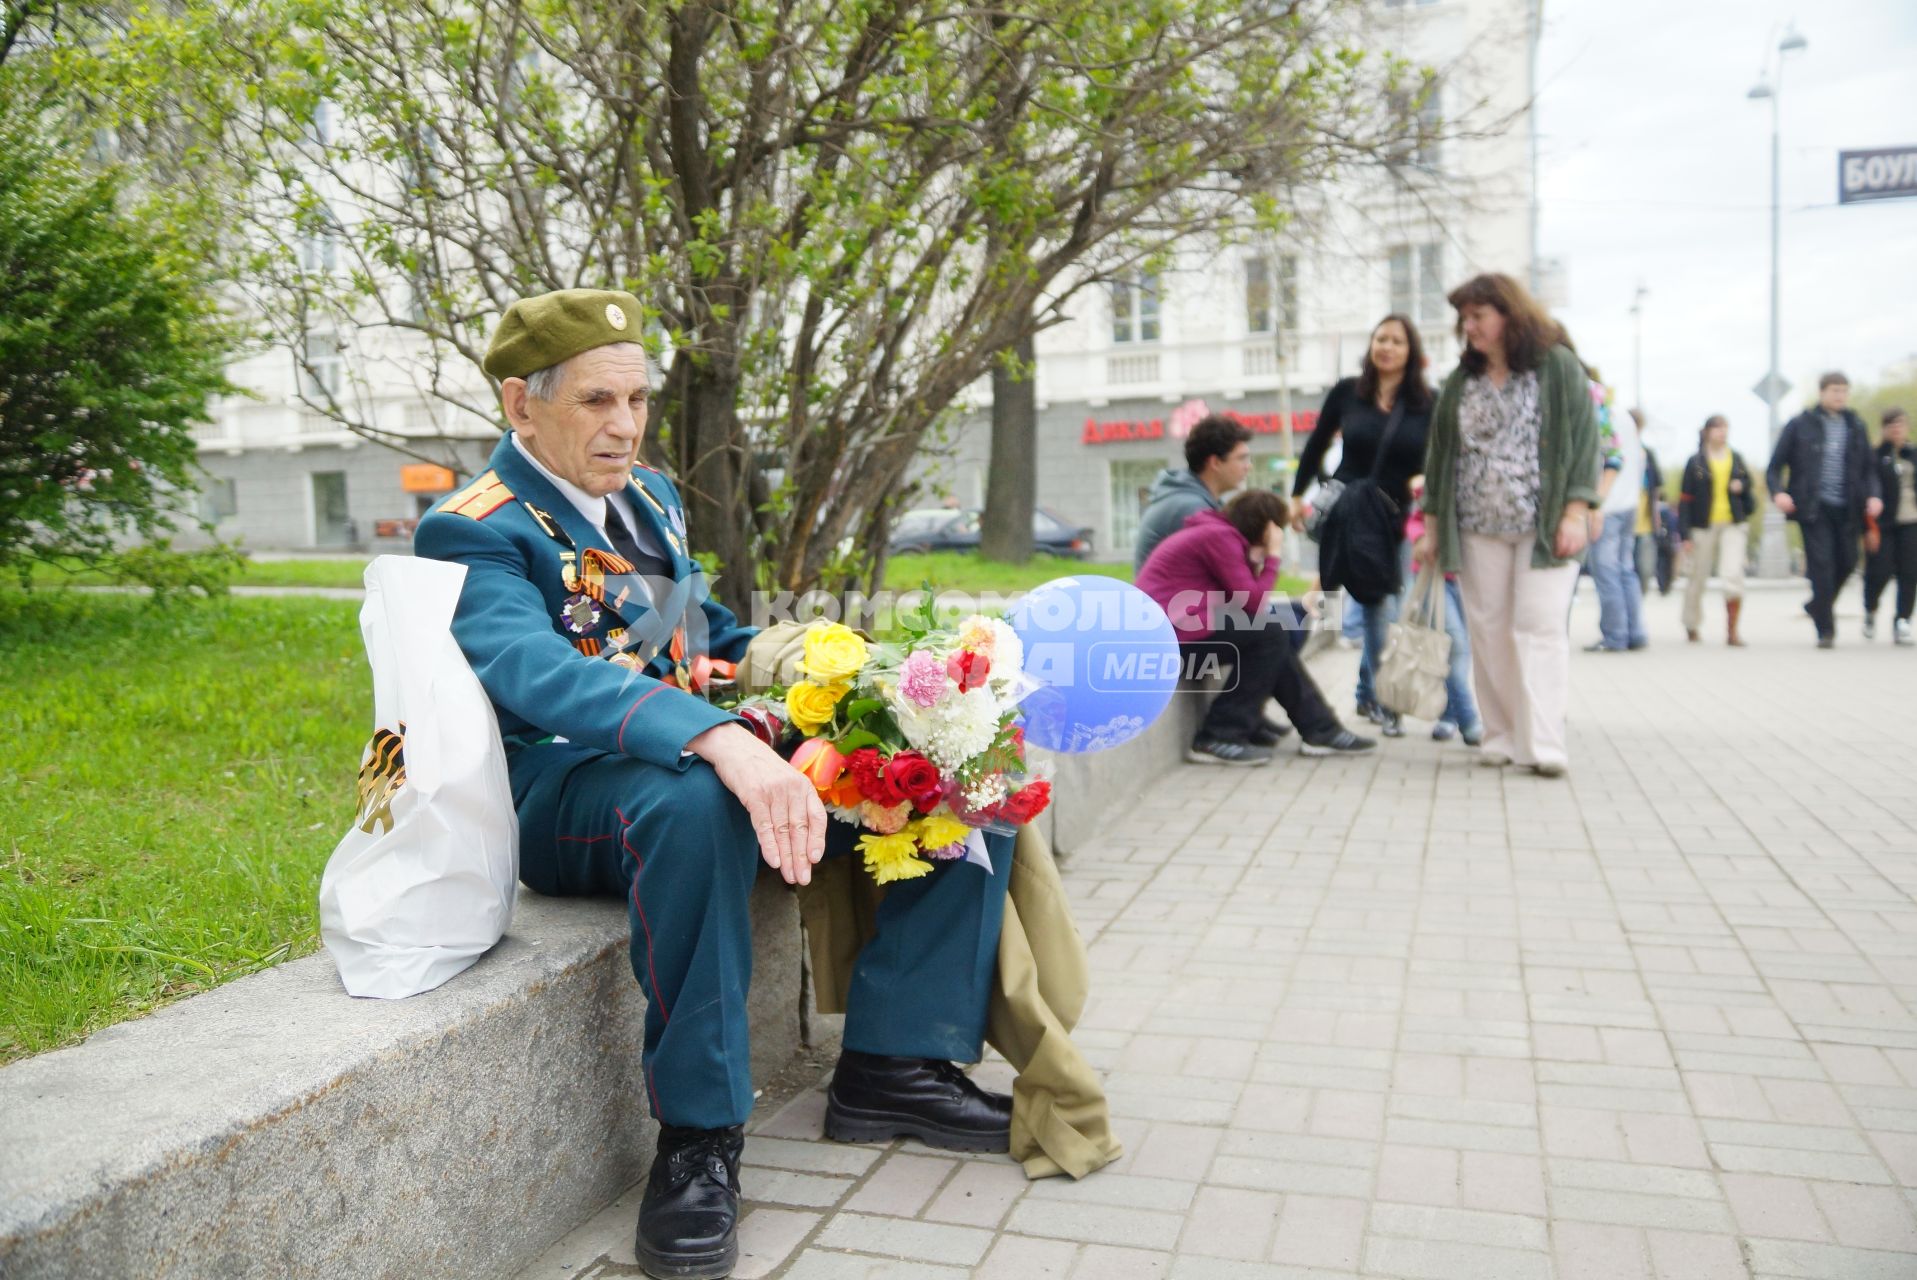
1417, 655
423, 882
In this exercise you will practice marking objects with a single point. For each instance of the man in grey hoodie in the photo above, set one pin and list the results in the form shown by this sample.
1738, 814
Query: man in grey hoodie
1217, 460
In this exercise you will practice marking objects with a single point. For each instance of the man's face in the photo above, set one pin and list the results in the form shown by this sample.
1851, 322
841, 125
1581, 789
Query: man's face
1897, 432
1231, 471
1834, 397
589, 432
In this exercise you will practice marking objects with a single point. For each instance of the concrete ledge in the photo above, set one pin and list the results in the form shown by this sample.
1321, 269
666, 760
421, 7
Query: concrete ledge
276, 1127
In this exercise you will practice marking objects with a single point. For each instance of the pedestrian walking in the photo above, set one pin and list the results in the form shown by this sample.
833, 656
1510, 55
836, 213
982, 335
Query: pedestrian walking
1823, 476
1715, 502
1510, 481
1614, 553
1386, 408
1895, 556
1649, 503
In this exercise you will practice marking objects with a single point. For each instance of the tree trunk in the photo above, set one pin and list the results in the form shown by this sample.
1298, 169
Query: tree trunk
707, 460
1011, 487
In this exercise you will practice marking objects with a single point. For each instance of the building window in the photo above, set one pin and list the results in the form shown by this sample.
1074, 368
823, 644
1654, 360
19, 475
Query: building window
1135, 309
1417, 283
321, 365
1420, 115
319, 240
219, 499
1260, 288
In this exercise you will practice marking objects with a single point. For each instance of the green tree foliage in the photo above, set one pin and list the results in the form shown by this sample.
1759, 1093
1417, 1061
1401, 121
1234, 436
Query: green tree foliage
837, 213
110, 341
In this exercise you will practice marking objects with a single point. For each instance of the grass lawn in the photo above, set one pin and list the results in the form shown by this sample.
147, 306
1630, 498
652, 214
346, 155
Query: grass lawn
255, 573
177, 778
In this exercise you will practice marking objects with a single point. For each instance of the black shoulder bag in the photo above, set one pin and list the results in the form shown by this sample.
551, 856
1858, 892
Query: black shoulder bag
1358, 542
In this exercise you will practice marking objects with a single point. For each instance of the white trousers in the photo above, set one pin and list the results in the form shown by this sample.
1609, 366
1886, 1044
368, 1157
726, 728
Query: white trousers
1718, 549
1519, 620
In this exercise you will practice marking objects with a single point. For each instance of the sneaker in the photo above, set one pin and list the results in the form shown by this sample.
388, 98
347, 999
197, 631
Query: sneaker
1473, 735
1901, 630
1870, 626
1443, 731
1549, 769
1390, 723
1493, 759
1369, 711
1342, 743
1205, 750
1826, 642
1269, 733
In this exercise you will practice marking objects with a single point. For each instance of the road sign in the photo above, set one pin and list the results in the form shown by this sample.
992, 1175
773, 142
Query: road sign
1772, 387
1888, 173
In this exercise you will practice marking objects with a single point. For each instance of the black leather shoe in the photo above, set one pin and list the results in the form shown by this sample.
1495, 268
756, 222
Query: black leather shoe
876, 1099
688, 1220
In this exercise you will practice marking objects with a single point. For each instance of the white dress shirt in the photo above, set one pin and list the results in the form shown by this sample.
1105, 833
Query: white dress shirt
594, 509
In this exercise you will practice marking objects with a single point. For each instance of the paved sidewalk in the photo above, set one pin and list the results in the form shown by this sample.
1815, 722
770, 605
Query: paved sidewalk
1405, 1017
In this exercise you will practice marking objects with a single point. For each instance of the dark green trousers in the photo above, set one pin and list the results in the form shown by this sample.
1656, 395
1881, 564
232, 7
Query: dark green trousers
678, 848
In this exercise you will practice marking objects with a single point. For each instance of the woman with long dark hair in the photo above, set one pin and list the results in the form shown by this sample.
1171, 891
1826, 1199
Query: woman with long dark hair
1510, 479
1389, 398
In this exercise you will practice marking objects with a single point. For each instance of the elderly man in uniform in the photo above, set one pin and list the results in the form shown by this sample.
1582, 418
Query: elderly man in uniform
577, 568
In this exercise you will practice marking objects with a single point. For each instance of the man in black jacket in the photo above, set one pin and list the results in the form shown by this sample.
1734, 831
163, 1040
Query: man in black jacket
1822, 475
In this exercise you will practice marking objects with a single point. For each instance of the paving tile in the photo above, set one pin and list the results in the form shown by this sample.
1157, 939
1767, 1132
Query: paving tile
767, 1238
1026, 1258
979, 1194
898, 1238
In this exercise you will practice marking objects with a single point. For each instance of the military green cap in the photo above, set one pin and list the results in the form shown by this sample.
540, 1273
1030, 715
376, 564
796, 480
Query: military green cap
538, 333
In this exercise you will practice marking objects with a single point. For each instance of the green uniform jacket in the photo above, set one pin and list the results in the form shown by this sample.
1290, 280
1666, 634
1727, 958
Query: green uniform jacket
1567, 457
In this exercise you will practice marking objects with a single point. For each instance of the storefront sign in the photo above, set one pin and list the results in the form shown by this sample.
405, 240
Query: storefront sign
424, 477
1889, 173
1259, 424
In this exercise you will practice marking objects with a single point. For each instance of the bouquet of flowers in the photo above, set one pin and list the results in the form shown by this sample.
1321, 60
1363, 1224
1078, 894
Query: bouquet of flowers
913, 741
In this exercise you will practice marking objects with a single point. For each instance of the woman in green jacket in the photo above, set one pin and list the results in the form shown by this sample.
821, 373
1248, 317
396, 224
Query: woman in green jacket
1511, 474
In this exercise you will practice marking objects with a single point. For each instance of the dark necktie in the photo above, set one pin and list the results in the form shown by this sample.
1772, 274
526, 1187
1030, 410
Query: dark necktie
644, 563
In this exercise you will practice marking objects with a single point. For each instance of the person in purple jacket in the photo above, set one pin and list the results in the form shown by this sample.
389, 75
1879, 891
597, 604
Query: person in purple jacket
1213, 578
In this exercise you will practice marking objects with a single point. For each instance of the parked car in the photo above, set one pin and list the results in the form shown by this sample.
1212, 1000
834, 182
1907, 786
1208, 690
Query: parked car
951, 529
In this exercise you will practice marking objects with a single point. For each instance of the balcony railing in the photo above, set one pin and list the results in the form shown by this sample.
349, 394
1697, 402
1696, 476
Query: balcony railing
1132, 369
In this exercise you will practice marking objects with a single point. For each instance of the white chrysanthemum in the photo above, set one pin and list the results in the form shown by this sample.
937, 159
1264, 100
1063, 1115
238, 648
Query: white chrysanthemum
951, 733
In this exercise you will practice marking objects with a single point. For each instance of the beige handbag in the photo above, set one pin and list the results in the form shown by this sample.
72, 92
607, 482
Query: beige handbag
772, 658
1417, 655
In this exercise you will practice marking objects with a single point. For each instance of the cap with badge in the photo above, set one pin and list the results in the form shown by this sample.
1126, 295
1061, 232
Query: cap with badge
538, 333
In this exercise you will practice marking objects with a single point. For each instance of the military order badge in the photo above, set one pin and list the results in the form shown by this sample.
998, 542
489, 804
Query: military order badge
580, 613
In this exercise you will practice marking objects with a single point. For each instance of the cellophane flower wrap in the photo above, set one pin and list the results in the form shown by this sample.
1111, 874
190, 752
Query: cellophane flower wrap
911, 741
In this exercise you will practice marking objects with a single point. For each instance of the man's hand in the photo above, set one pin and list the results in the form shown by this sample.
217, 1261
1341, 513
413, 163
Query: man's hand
1784, 503
784, 808
1873, 507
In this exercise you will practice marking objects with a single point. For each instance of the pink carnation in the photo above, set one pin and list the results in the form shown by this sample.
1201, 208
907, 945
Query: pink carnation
922, 679
946, 853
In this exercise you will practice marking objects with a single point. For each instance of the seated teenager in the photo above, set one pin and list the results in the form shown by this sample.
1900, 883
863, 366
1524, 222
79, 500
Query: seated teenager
1214, 578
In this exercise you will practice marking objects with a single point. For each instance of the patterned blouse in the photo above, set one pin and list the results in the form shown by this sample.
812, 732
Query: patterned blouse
1498, 455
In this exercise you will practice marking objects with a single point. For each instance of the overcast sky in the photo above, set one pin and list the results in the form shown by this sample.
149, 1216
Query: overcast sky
1655, 168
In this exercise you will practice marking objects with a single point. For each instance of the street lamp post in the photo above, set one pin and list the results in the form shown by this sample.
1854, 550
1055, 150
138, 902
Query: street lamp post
1774, 556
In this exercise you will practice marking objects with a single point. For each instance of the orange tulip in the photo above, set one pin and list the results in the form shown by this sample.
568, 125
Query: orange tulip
820, 762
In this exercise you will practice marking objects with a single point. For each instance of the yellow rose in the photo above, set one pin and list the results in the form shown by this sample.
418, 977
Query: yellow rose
942, 829
893, 857
833, 651
810, 705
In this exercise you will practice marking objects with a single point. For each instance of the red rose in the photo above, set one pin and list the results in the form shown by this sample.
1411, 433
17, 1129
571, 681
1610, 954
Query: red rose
867, 767
968, 669
1027, 802
915, 778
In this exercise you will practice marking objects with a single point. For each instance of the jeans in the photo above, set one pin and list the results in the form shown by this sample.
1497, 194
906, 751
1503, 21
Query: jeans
1614, 570
1374, 626
1830, 553
1459, 706
1895, 561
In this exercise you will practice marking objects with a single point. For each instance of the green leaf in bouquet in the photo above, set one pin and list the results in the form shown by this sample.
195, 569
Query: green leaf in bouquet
860, 708
854, 740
